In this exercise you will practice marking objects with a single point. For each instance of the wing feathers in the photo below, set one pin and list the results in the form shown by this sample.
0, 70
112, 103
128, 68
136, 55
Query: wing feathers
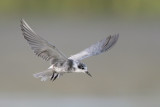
40, 46
49, 52
97, 48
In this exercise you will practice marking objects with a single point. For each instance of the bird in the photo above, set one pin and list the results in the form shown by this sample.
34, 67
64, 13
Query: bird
59, 63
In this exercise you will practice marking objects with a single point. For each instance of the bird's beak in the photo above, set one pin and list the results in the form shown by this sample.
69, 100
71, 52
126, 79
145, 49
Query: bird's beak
88, 73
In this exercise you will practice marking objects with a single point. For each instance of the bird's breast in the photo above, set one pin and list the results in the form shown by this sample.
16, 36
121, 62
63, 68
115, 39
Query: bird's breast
59, 69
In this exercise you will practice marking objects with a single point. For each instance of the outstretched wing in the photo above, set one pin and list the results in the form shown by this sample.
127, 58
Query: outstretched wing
97, 48
40, 46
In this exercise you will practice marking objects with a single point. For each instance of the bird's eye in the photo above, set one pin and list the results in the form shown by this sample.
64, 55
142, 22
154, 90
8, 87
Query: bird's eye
80, 67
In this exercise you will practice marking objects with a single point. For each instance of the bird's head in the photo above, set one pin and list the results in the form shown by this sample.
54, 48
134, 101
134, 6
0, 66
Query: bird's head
82, 68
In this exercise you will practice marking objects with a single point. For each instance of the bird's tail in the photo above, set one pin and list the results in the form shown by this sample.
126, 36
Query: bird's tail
49, 73
44, 75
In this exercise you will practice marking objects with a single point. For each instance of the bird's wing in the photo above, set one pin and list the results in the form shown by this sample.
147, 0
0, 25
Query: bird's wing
40, 46
97, 48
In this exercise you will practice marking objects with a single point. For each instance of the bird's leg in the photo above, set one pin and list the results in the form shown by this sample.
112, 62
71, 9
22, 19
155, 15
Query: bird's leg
55, 77
52, 76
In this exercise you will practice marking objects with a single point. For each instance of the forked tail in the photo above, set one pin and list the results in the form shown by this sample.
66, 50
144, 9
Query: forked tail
49, 73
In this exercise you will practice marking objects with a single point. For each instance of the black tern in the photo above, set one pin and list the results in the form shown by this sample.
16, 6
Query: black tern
59, 63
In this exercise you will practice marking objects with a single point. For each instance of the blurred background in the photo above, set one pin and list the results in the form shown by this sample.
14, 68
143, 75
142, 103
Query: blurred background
128, 75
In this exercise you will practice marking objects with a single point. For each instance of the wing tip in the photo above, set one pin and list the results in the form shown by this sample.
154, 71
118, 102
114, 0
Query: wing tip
115, 37
22, 21
23, 24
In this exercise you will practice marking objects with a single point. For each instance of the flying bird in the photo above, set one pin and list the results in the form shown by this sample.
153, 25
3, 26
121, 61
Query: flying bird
59, 63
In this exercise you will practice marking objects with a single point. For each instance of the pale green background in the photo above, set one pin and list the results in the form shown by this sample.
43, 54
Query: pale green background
128, 75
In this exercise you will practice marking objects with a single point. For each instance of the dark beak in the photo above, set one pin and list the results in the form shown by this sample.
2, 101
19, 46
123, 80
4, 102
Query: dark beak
88, 73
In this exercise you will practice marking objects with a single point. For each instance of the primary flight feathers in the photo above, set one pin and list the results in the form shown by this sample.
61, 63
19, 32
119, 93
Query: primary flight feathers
49, 52
40, 46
